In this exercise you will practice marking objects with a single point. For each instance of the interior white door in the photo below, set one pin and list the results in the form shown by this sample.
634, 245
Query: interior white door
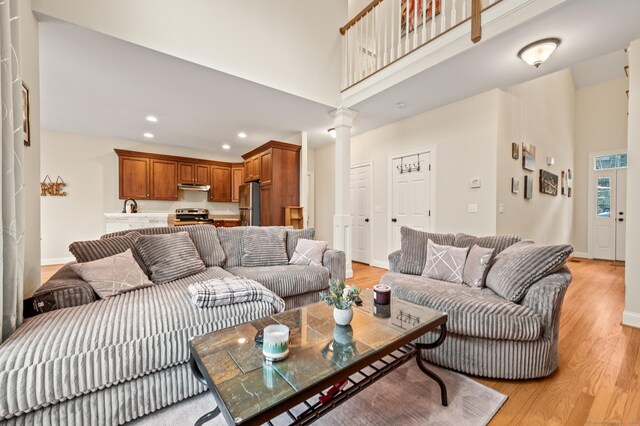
410, 195
620, 212
604, 219
360, 212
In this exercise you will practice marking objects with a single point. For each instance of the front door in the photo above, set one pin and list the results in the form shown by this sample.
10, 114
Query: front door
609, 221
411, 194
360, 212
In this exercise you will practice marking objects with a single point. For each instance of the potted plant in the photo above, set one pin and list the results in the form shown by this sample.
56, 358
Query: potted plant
341, 297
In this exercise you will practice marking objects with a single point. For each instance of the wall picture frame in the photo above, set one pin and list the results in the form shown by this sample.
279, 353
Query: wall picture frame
564, 178
515, 150
528, 187
515, 185
26, 125
413, 4
528, 157
548, 183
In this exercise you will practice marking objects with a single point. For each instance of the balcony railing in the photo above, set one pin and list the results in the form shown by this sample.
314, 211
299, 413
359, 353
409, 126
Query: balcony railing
387, 30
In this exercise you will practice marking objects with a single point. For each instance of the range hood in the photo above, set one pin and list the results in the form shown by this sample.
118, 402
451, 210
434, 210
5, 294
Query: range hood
193, 187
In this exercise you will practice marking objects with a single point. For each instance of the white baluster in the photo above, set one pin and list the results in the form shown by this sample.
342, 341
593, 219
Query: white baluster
415, 23
399, 50
464, 10
443, 14
406, 32
344, 61
378, 28
423, 4
366, 45
385, 13
349, 57
454, 6
433, 18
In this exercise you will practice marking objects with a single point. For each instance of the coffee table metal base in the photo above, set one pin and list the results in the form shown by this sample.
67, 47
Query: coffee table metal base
314, 412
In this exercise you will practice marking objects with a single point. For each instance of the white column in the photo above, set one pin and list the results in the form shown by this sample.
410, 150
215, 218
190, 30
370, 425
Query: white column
343, 121
304, 179
631, 314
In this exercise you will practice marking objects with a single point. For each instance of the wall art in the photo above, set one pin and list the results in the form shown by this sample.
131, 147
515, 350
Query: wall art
26, 126
548, 183
515, 150
528, 156
565, 182
515, 185
412, 13
528, 187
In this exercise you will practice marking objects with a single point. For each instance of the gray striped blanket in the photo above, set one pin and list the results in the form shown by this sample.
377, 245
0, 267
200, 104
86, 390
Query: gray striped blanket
230, 290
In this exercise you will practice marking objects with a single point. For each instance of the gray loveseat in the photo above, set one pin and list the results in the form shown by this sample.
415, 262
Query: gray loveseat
112, 360
487, 335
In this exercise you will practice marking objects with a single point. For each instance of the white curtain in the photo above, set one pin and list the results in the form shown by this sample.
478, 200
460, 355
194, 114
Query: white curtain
11, 176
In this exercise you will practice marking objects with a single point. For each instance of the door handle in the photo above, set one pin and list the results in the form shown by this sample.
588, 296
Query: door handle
621, 220
394, 220
620, 213
366, 220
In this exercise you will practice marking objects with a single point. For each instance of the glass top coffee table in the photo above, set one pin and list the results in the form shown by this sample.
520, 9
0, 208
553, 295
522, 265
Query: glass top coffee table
327, 364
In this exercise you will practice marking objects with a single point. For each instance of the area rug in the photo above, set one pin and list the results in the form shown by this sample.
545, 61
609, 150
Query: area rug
404, 397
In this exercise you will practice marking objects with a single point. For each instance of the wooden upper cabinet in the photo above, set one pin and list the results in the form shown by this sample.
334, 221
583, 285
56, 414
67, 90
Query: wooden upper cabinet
237, 179
252, 169
163, 179
134, 177
186, 172
220, 184
266, 167
202, 174
247, 170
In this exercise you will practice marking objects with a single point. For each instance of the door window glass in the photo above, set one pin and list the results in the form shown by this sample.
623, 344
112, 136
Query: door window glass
604, 197
613, 161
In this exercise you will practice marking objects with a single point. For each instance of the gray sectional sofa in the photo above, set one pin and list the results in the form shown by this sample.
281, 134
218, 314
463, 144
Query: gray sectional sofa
488, 335
109, 361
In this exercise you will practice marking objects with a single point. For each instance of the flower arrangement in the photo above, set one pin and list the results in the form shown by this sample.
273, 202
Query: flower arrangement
340, 295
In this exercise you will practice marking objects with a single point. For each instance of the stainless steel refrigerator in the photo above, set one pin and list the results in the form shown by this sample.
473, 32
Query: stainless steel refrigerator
250, 204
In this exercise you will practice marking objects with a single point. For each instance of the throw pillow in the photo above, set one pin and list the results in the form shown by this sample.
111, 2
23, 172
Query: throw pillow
87, 251
113, 275
169, 257
497, 242
231, 241
477, 265
294, 235
264, 247
445, 263
414, 248
518, 267
309, 252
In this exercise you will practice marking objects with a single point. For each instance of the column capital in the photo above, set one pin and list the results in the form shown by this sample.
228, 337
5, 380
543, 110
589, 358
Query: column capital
343, 117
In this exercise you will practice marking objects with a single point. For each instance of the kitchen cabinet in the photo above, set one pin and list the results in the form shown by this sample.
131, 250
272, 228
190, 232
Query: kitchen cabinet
193, 173
220, 184
252, 169
133, 178
163, 180
266, 205
265, 167
237, 179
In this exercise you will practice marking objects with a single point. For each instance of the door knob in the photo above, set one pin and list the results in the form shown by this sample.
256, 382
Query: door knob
621, 220
620, 213
394, 220
366, 220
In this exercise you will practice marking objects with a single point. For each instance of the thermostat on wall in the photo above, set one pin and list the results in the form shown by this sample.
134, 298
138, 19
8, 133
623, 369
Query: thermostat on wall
475, 183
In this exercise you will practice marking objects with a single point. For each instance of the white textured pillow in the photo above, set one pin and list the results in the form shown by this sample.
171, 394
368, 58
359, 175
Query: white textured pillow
445, 263
113, 275
308, 252
477, 265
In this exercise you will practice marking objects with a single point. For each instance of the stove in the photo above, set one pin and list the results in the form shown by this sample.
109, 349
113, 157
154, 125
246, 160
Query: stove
189, 216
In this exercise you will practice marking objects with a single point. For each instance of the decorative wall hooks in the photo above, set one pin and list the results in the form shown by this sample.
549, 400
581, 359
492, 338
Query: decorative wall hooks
409, 167
48, 187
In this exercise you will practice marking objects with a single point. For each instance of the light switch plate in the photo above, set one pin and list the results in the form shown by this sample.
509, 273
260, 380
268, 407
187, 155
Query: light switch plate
473, 208
501, 208
475, 183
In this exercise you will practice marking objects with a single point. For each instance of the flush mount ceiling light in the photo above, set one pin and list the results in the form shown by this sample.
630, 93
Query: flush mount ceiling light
539, 51
242, 135
152, 119
148, 135
332, 132
226, 146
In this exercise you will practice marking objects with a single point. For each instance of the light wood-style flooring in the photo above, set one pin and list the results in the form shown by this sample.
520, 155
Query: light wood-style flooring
598, 381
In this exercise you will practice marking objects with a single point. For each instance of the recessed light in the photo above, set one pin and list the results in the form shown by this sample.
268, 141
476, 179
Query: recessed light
242, 135
226, 146
148, 135
152, 119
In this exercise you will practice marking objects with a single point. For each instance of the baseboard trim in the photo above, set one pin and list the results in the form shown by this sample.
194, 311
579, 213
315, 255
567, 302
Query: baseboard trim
632, 319
581, 254
380, 264
56, 261
349, 273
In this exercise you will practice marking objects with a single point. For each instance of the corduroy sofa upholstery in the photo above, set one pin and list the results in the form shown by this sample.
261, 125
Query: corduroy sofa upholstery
488, 335
108, 361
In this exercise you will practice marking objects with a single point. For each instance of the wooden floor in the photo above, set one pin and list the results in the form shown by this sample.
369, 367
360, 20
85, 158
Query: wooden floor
598, 380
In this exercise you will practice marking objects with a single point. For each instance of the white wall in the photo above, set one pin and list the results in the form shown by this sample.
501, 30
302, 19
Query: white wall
464, 135
631, 314
291, 45
29, 57
89, 166
601, 126
540, 112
